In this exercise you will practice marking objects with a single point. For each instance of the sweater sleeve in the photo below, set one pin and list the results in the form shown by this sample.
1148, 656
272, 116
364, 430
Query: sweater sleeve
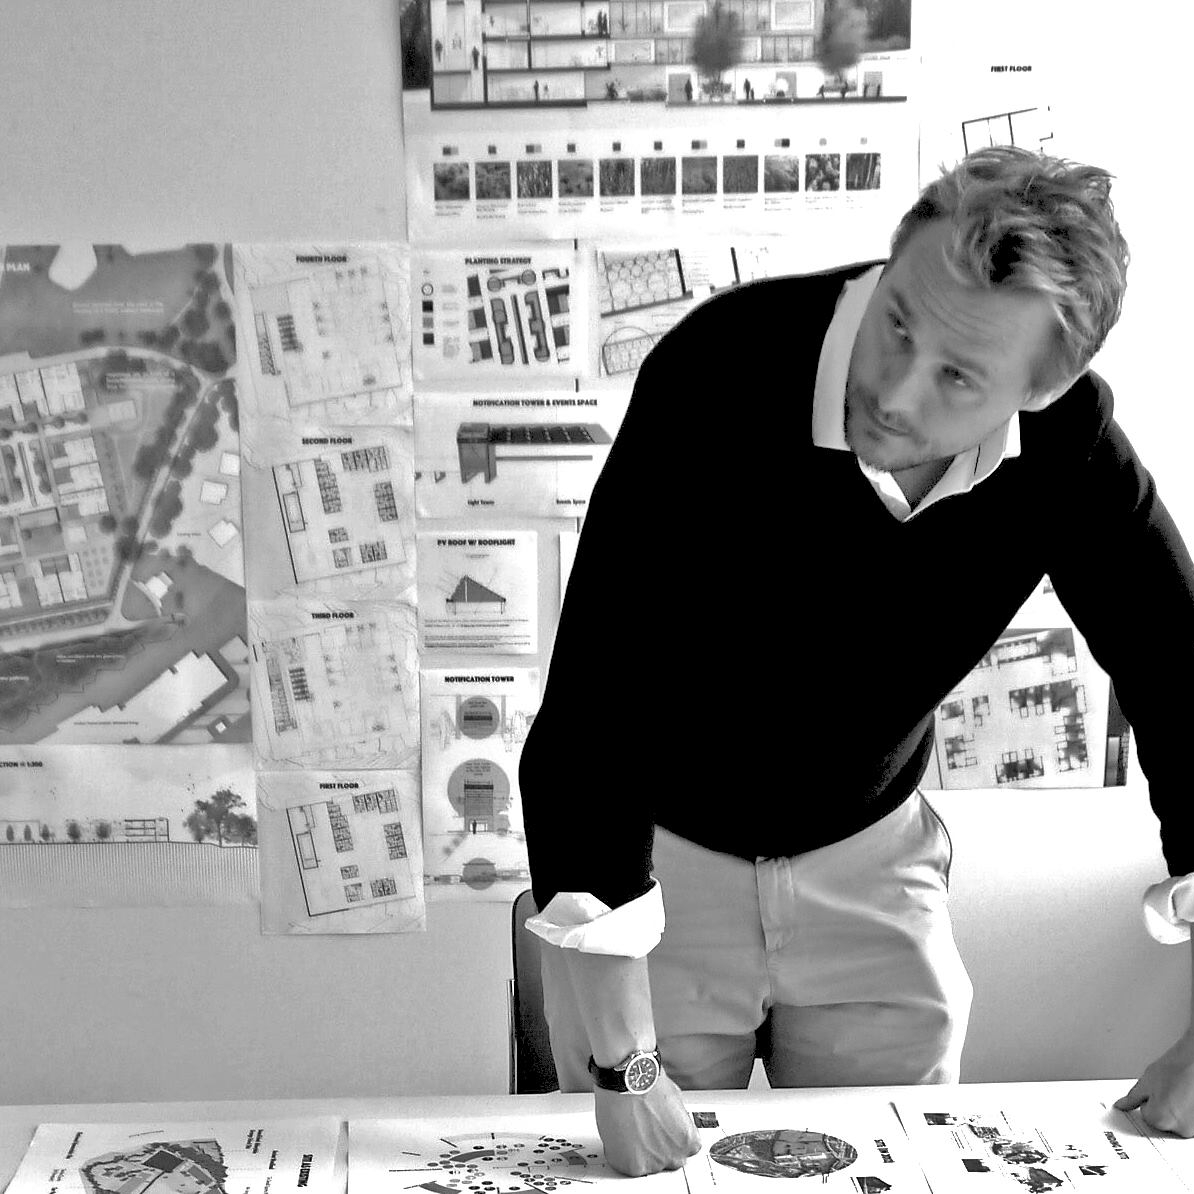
589, 764
1122, 571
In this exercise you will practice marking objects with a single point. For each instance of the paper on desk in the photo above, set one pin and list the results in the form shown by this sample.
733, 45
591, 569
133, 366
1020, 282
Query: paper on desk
496, 1154
1176, 1152
181, 1158
856, 1145
973, 1143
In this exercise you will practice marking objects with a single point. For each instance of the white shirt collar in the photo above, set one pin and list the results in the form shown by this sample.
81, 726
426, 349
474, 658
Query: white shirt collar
966, 469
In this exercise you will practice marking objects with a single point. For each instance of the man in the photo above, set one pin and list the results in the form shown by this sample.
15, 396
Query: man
935, 409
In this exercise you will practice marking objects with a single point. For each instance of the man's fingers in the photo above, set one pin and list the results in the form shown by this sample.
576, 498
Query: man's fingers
1133, 1099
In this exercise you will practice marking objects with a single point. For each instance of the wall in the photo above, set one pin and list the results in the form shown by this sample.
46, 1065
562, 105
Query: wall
276, 119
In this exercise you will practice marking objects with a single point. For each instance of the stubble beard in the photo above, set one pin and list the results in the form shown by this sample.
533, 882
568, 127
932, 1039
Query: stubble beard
911, 452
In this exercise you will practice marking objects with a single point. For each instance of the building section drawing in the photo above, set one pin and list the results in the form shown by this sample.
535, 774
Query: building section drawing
527, 455
856, 1146
326, 331
180, 1158
335, 684
504, 1154
1036, 711
540, 152
964, 1143
478, 591
491, 56
121, 571
332, 513
160, 817
474, 725
501, 314
341, 852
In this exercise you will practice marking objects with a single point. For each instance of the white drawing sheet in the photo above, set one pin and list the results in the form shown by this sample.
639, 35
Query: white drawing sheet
968, 1142
498, 1154
479, 591
529, 454
167, 826
330, 512
211, 1157
341, 852
475, 721
857, 1146
326, 334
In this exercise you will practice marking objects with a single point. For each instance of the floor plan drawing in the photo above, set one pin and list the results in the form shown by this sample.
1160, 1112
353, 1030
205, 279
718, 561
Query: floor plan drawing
335, 684
331, 513
499, 314
474, 725
478, 591
120, 552
535, 454
181, 1158
1036, 711
327, 332
341, 852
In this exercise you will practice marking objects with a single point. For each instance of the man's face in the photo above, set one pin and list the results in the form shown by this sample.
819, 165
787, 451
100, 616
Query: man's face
937, 366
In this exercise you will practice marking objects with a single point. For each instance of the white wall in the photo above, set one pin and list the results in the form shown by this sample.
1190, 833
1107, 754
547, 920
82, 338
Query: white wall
276, 119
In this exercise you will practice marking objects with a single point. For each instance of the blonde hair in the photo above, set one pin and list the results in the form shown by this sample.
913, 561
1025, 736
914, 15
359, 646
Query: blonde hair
1037, 224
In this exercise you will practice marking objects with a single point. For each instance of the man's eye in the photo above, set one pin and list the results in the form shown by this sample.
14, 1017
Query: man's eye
957, 378
896, 324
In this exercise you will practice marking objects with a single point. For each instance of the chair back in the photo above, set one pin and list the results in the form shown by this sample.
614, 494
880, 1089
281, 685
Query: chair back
532, 1070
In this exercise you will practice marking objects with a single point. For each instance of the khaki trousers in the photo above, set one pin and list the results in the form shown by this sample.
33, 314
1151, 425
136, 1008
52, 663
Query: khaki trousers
838, 965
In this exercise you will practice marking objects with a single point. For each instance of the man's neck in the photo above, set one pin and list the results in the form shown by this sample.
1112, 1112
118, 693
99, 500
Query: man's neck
917, 482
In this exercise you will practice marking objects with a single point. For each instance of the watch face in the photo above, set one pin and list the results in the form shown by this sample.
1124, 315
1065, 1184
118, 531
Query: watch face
641, 1074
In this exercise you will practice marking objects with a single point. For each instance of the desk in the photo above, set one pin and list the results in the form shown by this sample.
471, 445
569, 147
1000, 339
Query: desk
17, 1124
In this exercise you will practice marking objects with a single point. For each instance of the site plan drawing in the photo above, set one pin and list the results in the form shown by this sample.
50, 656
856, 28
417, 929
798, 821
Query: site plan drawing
331, 512
583, 119
474, 724
171, 825
232, 1157
496, 315
122, 606
529, 454
857, 1146
326, 331
964, 1142
1037, 711
509, 1154
341, 852
479, 591
335, 684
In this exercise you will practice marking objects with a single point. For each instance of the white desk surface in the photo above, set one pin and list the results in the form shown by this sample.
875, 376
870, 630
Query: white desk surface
17, 1123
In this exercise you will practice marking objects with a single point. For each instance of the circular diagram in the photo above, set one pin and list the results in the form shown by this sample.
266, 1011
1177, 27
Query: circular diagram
784, 1152
509, 1163
478, 717
478, 873
479, 792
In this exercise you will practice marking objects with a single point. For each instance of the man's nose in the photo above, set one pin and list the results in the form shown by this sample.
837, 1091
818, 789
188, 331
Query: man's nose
902, 391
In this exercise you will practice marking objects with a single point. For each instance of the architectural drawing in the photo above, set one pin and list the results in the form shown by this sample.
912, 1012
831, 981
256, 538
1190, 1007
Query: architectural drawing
857, 1146
331, 512
334, 684
159, 816
341, 852
500, 1154
474, 725
478, 591
1036, 711
534, 454
964, 1143
504, 313
181, 1158
120, 556
326, 332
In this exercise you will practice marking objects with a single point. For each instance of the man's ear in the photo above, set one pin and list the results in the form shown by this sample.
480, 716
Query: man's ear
1041, 401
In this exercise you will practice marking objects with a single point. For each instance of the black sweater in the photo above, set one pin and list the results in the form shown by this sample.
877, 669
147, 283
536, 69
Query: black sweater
752, 648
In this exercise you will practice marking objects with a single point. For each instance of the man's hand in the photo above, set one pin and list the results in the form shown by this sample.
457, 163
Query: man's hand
646, 1133
1165, 1091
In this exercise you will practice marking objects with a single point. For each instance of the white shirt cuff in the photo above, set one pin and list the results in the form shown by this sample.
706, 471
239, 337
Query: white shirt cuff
579, 920
1169, 909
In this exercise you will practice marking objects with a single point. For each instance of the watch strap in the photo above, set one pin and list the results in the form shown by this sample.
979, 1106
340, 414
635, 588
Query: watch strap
614, 1077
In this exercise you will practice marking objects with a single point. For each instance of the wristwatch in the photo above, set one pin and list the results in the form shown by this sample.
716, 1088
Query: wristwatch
636, 1075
